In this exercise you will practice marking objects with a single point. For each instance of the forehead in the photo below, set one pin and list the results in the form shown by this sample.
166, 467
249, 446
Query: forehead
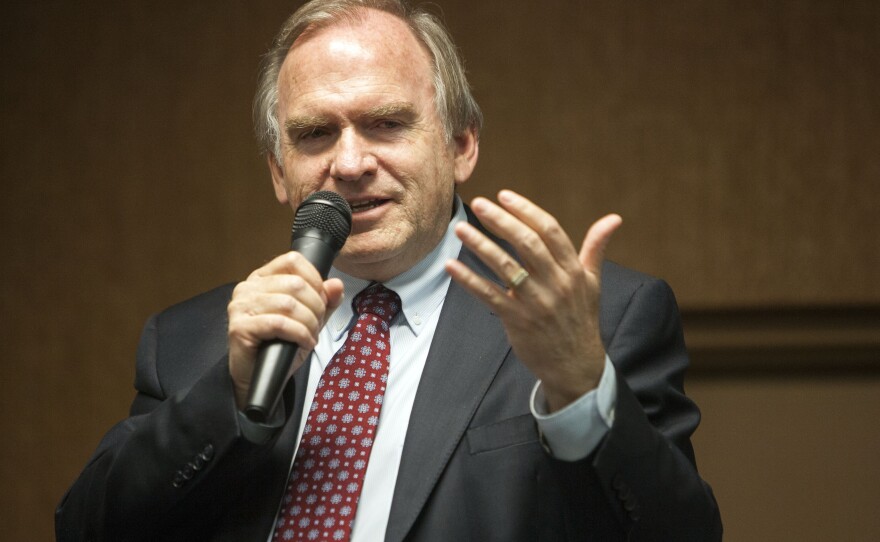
372, 45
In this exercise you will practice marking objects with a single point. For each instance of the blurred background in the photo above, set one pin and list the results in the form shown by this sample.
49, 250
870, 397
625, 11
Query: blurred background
739, 140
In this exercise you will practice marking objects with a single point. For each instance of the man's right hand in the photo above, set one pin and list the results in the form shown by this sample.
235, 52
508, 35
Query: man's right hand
285, 299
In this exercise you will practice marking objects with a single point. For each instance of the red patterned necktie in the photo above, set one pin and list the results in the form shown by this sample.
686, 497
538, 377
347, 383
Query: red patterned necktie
328, 473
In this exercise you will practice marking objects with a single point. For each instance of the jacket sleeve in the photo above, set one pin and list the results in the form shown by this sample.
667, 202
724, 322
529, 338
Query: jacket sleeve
170, 468
645, 464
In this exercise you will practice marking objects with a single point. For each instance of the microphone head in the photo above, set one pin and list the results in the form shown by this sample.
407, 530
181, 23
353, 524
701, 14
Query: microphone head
327, 212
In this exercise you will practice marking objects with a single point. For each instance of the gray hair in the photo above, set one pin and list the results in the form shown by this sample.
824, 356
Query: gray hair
456, 106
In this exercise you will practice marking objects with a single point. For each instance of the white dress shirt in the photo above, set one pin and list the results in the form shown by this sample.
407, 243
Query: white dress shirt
571, 433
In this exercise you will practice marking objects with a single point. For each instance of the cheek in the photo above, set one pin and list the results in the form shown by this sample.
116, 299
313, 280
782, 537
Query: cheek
301, 181
434, 205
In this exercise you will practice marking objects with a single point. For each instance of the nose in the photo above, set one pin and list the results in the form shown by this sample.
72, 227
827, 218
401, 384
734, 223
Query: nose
352, 158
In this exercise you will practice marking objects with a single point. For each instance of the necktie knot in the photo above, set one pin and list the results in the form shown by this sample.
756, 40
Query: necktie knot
377, 300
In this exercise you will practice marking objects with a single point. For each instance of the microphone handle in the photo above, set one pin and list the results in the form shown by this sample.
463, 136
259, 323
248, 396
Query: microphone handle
275, 357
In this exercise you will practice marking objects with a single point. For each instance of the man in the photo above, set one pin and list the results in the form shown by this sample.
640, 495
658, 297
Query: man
518, 404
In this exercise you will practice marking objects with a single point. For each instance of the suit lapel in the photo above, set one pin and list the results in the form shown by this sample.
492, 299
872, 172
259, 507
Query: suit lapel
468, 348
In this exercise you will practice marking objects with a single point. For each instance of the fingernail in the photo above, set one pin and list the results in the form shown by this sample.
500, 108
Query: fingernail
465, 231
479, 204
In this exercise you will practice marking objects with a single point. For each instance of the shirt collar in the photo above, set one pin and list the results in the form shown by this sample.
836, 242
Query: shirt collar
421, 288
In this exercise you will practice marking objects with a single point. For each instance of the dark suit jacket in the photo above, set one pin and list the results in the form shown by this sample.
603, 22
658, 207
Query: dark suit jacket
473, 466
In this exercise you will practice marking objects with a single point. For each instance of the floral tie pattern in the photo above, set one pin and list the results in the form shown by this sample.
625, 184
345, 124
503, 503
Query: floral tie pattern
325, 483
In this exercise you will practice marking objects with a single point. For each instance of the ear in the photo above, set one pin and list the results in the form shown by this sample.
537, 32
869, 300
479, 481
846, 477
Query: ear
277, 179
466, 149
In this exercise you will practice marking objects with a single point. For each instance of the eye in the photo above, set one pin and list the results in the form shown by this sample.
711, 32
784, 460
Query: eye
388, 124
313, 133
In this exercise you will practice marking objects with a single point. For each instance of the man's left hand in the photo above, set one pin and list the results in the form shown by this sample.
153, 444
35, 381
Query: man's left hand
552, 315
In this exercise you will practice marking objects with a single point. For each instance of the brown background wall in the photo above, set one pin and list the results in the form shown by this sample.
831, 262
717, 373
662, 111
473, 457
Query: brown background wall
738, 140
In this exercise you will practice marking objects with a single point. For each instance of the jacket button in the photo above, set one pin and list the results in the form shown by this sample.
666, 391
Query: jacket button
187, 472
208, 453
178, 480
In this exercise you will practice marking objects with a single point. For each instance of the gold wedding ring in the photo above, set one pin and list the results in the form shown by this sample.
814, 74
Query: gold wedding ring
519, 278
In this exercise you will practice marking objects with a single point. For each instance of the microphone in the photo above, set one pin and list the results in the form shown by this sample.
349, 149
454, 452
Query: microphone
320, 227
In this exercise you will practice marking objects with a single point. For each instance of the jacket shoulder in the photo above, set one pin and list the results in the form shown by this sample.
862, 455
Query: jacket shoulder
210, 302
620, 285
187, 338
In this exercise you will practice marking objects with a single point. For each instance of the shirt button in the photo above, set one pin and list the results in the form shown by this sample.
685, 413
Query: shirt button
417, 320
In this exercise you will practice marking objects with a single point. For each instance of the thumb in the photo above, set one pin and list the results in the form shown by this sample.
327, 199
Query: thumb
335, 291
593, 249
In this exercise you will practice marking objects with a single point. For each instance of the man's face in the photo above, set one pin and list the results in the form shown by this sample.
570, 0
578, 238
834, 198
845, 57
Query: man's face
357, 116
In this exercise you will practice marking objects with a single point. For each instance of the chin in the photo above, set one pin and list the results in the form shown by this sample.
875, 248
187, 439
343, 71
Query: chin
365, 253
371, 260
371, 246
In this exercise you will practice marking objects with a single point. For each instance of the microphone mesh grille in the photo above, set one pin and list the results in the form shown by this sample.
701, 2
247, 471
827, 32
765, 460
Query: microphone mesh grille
326, 211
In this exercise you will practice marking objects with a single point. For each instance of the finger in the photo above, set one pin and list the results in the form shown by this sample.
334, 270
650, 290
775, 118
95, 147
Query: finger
527, 243
291, 263
273, 316
488, 292
545, 225
252, 330
293, 286
593, 249
497, 259
280, 304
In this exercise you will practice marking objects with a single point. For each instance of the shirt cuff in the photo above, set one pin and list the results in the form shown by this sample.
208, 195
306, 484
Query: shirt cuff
259, 433
572, 433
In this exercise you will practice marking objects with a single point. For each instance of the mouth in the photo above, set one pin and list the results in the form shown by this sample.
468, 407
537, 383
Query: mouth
364, 206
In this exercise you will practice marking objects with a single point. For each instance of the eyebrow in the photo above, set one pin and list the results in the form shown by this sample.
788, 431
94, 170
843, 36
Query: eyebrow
393, 109
302, 122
